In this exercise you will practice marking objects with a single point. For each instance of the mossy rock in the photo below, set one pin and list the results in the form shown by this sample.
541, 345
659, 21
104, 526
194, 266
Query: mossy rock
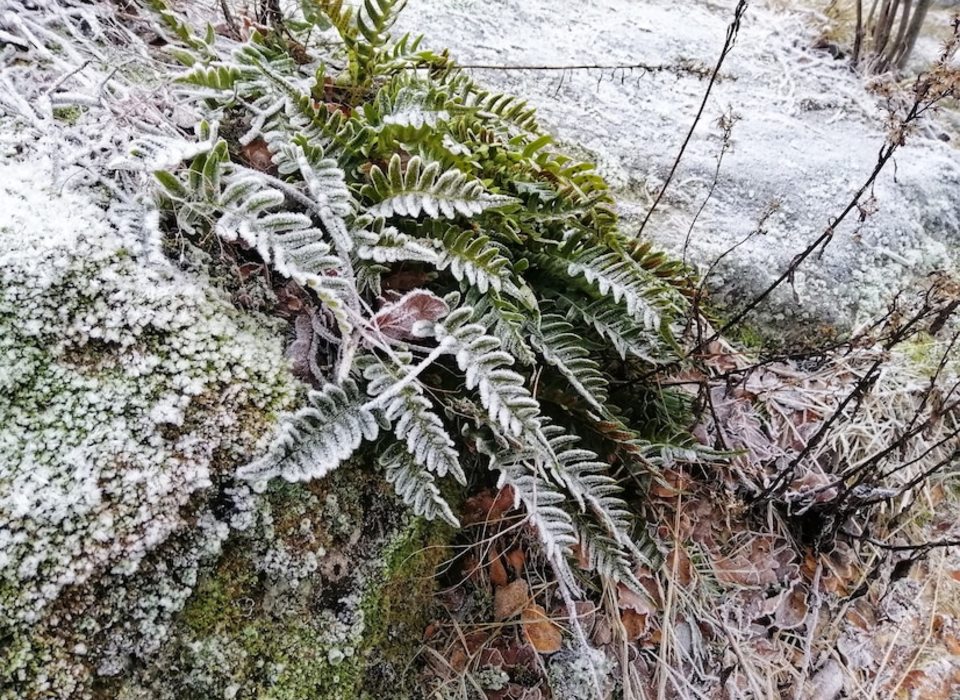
325, 597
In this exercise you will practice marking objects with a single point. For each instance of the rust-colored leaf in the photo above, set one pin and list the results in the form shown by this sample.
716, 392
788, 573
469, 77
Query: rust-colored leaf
396, 320
540, 631
634, 623
510, 599
496, 569
257, 155
516, 559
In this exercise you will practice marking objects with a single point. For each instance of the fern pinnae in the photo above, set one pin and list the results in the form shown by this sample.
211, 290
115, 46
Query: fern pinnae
415, 485
417, 188
561, 347
412, 417
317, 438
473, 257
486, 368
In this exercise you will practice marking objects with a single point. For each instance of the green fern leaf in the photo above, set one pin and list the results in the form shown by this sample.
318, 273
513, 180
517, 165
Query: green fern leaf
412, 417
415, 189
563, 348
415, 485
485, 367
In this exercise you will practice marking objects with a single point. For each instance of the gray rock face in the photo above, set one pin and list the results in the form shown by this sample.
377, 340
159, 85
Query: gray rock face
129, 393
806, 136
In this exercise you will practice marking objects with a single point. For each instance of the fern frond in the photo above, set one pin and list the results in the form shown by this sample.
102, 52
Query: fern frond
585, 477
623, 332
504, 320
316, 439
563, 348
376, 18
412, 190
473, 257
413, 418
415, 485
485, 366
612, 275
390, 245
405, 103
543, 503
607, 558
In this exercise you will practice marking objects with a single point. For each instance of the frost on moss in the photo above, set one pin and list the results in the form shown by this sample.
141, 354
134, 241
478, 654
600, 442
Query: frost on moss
341, 618
128, 394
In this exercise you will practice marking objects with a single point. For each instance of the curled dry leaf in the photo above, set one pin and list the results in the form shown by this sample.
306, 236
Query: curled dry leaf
634, 623
510, 599
793, 608
678, 564
487, 506
540, 630
257, 155
516, 559
396, 319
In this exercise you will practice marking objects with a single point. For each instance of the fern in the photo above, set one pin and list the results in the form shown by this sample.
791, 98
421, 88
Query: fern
621, 331
485, 366
394, 171
473, 258
562, 348
415, 485
410, 191
413, 419
318, 438
619, 278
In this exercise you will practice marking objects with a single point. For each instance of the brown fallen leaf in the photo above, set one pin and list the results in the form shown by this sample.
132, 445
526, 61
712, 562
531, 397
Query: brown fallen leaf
496, 569
516, 559
540, 631
510, 599
634, 623
258, 155
397, 319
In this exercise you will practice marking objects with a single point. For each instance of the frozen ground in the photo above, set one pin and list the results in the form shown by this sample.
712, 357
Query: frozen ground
808, 134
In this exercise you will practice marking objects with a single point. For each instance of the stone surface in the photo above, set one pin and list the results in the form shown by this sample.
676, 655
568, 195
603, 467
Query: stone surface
807, 136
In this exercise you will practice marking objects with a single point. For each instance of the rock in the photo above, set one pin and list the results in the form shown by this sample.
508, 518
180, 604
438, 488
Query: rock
806, 138
130, 393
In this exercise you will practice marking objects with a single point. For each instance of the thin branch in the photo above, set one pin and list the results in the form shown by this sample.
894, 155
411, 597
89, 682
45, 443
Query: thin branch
732, 30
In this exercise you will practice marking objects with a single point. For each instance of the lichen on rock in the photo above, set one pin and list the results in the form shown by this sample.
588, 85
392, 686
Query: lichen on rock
129, 393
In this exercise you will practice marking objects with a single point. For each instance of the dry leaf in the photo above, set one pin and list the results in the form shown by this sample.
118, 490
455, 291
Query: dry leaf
258, 155
541, 632
510, 599
516, 559
396, 319
678, 562
498, 573
634, 623
793, 608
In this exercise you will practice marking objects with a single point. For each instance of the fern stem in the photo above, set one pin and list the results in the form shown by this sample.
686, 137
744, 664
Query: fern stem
394, 390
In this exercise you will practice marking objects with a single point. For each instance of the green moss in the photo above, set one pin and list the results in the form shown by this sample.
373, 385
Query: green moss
398, 611
69, 115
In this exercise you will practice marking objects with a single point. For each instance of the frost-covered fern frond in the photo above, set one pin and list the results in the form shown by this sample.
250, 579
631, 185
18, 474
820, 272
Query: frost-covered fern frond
416, 188
318, 438
412, 417
611, 324
561, 347
473, 257
486, 368
246, 206
415, 485
388, 245
626, 282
